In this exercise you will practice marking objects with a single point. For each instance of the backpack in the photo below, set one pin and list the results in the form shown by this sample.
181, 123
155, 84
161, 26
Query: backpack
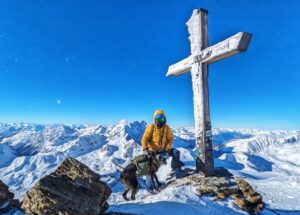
142, 164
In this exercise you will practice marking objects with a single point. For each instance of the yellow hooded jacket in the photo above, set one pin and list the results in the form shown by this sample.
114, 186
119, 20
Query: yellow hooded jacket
162, 138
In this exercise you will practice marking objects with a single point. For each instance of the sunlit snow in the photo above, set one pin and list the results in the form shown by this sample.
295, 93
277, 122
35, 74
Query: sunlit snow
269, 160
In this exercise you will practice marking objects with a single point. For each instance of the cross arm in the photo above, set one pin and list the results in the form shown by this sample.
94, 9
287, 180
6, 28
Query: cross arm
231, 46
181, 67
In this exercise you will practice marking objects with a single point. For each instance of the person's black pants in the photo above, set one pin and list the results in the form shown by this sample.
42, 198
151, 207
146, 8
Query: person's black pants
175, 163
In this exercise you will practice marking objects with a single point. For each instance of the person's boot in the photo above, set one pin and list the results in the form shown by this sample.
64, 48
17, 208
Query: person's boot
181, 173
177, 173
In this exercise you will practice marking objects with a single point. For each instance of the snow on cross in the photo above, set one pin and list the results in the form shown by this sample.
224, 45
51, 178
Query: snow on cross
197, 63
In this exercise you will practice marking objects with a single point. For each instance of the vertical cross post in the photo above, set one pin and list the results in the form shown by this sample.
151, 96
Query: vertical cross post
197, 26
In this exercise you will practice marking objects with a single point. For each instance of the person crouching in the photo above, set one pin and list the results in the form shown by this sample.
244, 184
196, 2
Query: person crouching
158, 138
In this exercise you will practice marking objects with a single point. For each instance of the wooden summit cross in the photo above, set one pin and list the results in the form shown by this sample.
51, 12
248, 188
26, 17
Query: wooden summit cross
197, 63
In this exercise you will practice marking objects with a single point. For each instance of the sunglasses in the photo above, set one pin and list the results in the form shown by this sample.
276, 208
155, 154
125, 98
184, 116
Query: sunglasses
160, 118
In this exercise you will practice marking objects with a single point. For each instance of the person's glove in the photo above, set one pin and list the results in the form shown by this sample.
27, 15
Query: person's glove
160, 151
145, 151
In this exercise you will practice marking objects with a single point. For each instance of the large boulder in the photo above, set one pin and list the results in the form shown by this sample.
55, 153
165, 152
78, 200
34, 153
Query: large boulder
7, 203
72, 189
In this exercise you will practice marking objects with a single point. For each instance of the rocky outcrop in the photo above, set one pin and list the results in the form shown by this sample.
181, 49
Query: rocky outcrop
72, 189
247, 199
224, 185
5, 194
7, 201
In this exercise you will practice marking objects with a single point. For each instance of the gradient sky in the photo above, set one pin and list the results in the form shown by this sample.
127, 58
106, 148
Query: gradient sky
99, 61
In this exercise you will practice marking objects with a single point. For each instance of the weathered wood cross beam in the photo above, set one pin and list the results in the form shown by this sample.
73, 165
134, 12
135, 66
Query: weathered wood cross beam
197, 63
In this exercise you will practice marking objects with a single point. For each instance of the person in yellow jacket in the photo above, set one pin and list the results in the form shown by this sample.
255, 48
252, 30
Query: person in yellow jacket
158, 138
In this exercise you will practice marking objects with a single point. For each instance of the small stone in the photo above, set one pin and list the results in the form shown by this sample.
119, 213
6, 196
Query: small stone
240, 201
259, 207
221, 195
254, 198
232, 190
244, 186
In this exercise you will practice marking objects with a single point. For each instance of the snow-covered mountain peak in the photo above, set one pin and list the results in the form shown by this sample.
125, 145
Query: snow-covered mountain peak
267, 159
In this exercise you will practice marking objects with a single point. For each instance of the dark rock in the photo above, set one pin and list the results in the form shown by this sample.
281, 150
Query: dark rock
7, 203
222, 172
72, 189
5, 194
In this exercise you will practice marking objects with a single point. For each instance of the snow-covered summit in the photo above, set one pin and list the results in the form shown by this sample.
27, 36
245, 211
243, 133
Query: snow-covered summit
268, 159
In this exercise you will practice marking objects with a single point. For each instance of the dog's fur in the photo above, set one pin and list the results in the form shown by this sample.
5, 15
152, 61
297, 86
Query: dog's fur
129, 177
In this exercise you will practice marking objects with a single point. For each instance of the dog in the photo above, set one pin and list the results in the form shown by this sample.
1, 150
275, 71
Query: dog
129, 177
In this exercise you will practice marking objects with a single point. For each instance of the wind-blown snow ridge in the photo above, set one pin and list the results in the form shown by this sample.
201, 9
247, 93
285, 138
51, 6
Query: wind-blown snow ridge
268, 159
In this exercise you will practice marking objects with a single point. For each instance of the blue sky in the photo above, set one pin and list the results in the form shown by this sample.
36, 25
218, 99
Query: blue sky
102, 61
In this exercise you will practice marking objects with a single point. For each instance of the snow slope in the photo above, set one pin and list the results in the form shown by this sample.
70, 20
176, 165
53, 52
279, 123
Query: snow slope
269, 160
